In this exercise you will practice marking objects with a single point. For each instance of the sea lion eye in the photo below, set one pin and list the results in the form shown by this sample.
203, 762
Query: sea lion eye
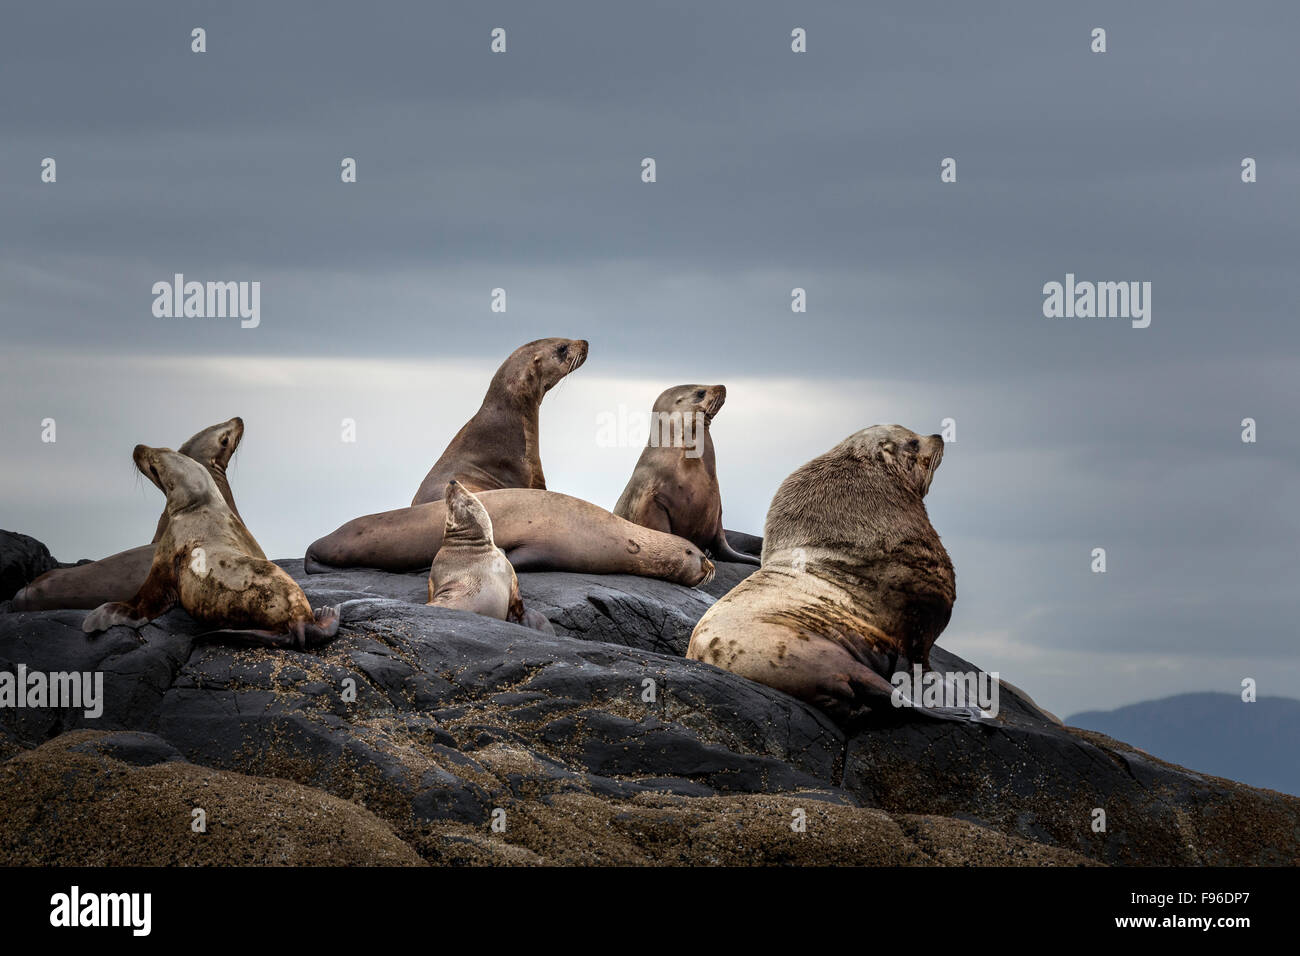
225, 440
562, 351
914, 444
700, 393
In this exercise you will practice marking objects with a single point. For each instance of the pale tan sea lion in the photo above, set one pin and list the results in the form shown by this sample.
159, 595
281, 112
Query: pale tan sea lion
118, 576
210, 564
674, 487
470, 573
538, 530
498, 447
855, 583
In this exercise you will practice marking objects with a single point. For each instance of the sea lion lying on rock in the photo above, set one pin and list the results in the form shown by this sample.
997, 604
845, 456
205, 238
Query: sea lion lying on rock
538, 530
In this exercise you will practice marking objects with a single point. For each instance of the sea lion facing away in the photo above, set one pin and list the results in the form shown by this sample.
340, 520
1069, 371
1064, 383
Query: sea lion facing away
674, 487
538, 530
470, 573
855, 583
212, 448
210, 564
119, 576
498, 447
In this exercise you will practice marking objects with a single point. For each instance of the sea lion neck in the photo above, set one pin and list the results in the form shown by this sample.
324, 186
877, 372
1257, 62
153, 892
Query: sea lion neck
218, 473
516, 390
464, 535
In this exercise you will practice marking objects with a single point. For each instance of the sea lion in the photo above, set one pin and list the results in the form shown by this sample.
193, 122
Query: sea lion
210, 564
855, 583
498, 447
538, 530
470, 573
118, 576
674, 486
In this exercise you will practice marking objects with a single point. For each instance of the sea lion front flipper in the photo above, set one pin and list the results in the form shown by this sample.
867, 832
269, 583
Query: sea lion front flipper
516, 613
515, 603
111, 615
537, 621
153, 600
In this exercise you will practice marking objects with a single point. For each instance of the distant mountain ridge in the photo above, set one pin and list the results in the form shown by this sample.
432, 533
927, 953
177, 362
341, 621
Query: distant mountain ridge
1256, 743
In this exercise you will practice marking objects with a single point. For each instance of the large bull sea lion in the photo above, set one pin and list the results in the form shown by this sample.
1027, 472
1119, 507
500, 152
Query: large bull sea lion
855, 584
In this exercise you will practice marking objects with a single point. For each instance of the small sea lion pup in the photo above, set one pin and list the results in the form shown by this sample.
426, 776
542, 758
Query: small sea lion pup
118, 576
855, 584
210, 564
498, 448
470, 573
538, 530
674, 487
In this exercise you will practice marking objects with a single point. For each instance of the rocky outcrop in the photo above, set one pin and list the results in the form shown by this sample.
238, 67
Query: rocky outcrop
603, 744
22, 559
93, 799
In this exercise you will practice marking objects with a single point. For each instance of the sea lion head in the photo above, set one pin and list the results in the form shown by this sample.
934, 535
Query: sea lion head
534, 369
183, 480
215, 445
705, 400
466, 516
696, 570
911, 458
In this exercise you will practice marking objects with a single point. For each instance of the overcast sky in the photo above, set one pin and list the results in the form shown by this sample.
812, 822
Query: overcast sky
775, 170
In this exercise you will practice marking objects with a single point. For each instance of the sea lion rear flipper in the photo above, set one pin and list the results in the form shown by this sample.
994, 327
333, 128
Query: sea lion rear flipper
247, 636
723, 551
326, 626
862, 695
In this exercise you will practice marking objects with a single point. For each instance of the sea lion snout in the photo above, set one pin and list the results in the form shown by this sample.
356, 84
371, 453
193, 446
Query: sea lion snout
714, 399
580, 348
146, 462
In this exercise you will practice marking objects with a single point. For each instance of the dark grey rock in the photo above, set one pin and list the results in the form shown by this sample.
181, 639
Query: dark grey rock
139, 749
429, 716
22, 559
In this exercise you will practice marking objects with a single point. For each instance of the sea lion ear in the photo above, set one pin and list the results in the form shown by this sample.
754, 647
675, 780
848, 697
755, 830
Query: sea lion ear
887, 448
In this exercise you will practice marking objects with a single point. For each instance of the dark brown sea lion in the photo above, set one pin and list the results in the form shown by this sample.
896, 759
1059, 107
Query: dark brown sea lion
855, 584
498, 447
674, 487
118, 576
538, 530
470, 573
210, 564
